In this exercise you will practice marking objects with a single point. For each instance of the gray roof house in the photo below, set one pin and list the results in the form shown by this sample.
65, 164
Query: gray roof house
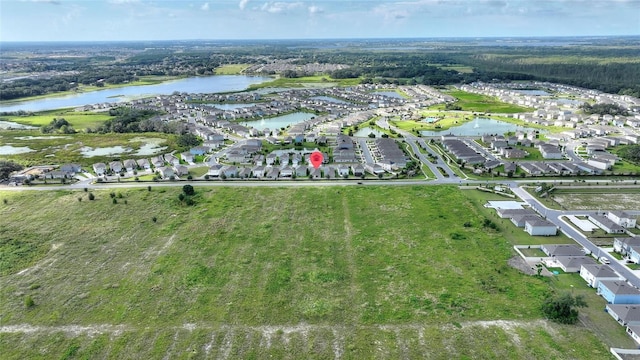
625, 314
562, 250
574, 263
595, 273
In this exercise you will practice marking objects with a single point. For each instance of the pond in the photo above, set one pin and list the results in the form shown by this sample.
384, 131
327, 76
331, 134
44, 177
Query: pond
392, 94
193, 85
279, 121
13, 125
365, 131
479, 127
329, 99
105, 151
230, 106
14, 150
429, 120
151, 146
533, 92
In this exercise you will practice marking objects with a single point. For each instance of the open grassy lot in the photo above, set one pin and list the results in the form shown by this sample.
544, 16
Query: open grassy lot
231, 69
79, 120
599, 197
317, 80
341, 272
60, 149
476, 102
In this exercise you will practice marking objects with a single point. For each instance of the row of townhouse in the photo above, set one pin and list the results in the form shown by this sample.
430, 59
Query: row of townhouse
285, 171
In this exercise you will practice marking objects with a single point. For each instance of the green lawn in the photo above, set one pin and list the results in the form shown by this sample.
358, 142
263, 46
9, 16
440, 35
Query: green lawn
231, 69
79, 120
339, 272
305, 81
482, 103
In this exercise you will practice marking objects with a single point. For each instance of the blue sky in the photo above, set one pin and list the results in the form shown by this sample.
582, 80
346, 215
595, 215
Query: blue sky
97, 20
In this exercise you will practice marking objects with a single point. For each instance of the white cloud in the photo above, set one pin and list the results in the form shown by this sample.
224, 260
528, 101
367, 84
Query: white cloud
280, 7
205, 7
313, 9
243, 4
123, 1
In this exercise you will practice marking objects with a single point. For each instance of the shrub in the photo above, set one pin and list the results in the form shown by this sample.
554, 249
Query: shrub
28, 302
91, 196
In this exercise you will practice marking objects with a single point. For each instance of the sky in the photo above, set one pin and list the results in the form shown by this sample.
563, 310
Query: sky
121, 20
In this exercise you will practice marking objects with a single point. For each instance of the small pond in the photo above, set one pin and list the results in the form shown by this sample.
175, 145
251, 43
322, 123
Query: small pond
230, 106
392, 94
533, 92
279, 121
329, 99
105, 151
14, 150
365, 131
479, 127
13, 125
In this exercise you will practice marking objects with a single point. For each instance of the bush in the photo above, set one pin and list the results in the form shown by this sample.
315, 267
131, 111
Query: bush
28, 301
563, 308
188, 190
91, 196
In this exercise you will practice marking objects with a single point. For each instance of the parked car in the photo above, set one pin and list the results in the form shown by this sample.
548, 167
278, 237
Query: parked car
604, 260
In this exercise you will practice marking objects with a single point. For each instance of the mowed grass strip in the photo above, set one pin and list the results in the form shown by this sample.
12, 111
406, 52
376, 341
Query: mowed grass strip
78, 119
253, 272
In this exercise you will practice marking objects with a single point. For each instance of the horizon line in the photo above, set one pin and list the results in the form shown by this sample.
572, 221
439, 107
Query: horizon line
334, 39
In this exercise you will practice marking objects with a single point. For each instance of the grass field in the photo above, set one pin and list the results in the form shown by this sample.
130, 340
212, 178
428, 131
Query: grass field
604, 198
340, 272
482, 103
231, 69
317, 80
79, 120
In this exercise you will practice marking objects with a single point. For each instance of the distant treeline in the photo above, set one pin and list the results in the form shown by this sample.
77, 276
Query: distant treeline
612, 69
32, 87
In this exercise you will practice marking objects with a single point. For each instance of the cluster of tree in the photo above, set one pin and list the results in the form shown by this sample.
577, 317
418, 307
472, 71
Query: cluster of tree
630, 153
563, 308
604, 109
58, 125
7, 167
128, 120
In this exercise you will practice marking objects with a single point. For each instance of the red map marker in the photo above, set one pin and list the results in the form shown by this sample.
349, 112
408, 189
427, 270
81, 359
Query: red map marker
316, 159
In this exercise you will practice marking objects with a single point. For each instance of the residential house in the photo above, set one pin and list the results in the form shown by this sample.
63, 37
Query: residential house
166, 172
244, 173
622, 245
634, 253
343, 170
625, 314
574, 263
258, 171
540, 227
605, 224
519, 220
595, 273
187, 156
301, 171
144, 164
130, 165
199, 150
549, 151
116, 166
157, 161
622, 218
357, 169
562, 250
286, 171
99, 168
618, 292
181, 170
229, 171
214, 170
71, 169
171, 159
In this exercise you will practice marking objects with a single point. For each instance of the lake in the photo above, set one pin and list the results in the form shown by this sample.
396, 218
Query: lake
193, 85
14, 150
392, 94
479, 127
329, 99
13, 125
533, 92
279, 121
365, 131
230, 106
